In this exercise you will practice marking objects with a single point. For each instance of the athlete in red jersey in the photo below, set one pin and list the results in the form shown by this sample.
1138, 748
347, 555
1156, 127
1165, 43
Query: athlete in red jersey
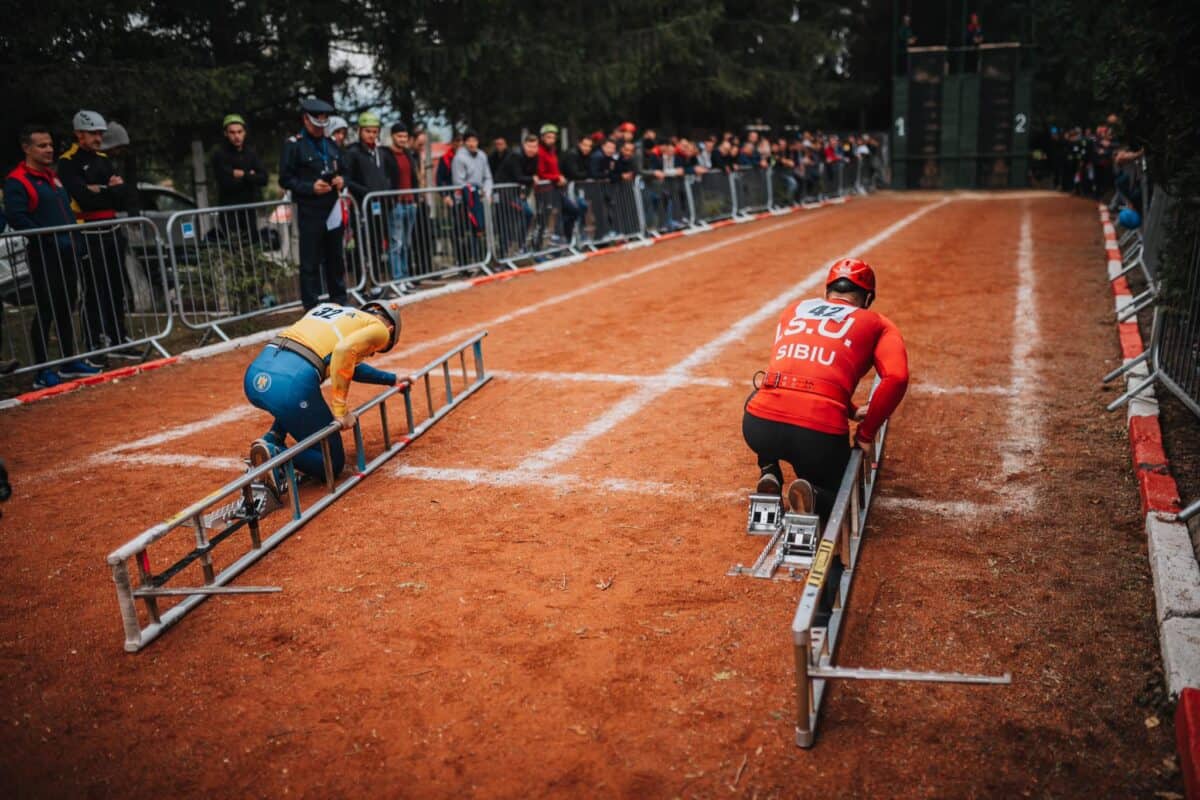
801, 412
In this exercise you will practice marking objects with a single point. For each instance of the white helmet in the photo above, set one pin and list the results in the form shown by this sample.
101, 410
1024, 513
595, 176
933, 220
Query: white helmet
89, 121
336, 124
388, 309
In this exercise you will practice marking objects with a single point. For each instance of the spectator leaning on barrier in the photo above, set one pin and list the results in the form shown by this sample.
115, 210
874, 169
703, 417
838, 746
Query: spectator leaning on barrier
470, 170
549, 171
404, 209
512, 205
310, 167
34, 197
575, 168
602, 164
97, 194
240, 174
371, 167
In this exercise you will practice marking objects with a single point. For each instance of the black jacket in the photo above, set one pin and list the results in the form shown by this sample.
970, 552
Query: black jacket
574, 165
495, 159
246, 189
305, 160
516, 168
370, 170
78, 169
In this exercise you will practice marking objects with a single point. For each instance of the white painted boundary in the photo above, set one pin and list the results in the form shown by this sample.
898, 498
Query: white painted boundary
1023, 442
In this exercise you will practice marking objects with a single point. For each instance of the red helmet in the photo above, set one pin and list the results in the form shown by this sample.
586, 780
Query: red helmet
854, 270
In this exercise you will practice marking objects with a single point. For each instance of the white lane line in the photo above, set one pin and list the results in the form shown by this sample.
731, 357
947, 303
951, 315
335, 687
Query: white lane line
565, 483
458, 335
171, 460
602, 377
234, 414
570, 445
1024, 439
933, 389
945, 508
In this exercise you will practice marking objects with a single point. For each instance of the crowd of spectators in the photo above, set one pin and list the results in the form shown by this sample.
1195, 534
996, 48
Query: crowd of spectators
330, 157
1092, 162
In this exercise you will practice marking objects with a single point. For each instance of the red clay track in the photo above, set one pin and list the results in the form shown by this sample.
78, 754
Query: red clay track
532, 600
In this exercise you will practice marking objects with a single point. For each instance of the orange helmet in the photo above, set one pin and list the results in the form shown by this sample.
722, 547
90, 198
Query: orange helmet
854, 270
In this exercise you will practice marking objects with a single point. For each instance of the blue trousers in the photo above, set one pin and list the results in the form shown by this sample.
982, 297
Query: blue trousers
288, 388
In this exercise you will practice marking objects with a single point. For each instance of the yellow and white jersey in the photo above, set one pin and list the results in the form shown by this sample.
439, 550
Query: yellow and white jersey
341, 337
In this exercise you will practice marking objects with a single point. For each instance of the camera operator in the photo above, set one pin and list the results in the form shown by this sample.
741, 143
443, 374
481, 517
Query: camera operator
310, 168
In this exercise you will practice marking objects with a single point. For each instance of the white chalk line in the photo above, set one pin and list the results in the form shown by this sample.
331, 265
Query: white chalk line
567, 447
171, 460
1024, 438
567, 483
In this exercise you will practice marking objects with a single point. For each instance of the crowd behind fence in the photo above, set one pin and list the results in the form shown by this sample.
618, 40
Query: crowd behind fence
75, 296
1151, 221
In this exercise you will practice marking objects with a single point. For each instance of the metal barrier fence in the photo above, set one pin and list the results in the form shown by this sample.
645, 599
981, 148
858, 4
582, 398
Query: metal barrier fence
231, 263
666, 203
531, 222
753, 187
243, 504
82, 291
1172, 357
610, 212
420, 234
713, 196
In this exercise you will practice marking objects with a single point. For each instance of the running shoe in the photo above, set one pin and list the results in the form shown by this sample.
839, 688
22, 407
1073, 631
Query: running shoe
46, 379
767, 484
800, 497
262, 451
79, 368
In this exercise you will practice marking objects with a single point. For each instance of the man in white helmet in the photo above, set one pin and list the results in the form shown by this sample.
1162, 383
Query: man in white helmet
97, 194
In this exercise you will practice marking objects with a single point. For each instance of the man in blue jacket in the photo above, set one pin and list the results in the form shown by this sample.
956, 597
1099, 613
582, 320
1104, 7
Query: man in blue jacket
34, 197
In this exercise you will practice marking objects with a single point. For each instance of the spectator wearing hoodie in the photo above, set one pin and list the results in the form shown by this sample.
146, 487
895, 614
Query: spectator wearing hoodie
470, 170
550, 192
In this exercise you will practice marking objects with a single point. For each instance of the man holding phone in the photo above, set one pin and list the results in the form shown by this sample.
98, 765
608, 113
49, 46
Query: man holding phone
310, 169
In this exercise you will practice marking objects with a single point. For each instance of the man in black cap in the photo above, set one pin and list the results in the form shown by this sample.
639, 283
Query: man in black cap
310, 168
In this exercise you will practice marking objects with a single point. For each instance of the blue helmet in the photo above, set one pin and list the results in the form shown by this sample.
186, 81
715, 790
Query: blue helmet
1129, 219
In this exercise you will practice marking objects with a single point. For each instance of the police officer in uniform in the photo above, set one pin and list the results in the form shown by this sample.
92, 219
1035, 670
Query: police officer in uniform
310, 167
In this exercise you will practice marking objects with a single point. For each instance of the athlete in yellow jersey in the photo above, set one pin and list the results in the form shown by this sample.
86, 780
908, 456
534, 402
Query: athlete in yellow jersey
285, 379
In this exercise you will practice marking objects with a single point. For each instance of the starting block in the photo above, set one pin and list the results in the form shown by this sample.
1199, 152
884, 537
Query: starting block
766, 510
244, 504
792, 545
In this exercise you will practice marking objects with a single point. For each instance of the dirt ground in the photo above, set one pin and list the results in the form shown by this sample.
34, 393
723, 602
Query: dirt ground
532, 601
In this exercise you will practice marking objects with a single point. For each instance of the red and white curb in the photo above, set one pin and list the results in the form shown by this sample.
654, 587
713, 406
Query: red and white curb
1172, 558
253, 339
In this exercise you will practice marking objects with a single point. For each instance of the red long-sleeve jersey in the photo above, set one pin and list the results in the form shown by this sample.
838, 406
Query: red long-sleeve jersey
822, 349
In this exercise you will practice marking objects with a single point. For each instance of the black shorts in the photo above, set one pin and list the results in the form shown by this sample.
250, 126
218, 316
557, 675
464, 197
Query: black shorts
818, 457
